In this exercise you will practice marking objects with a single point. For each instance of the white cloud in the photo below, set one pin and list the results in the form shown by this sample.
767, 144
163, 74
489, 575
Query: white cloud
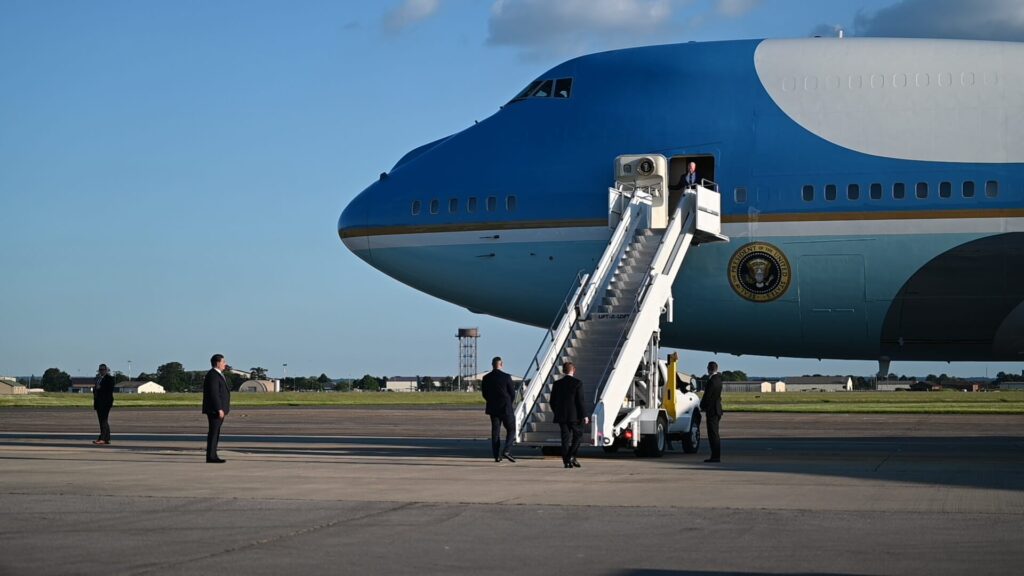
735, 8
567, 27
410, 12
976, 19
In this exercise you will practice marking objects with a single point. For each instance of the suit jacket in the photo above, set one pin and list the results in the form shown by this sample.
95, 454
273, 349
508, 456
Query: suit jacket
499, 392
103, 393
216, 393
567, 400
684, 181
711, 401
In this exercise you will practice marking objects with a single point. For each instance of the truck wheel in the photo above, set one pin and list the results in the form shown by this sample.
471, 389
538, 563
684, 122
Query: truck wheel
691, 440
610, 449
653, 445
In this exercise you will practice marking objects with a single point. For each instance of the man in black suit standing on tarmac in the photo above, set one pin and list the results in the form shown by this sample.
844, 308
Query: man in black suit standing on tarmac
216, 404
500, 394
102, 402
567, 407
711, 406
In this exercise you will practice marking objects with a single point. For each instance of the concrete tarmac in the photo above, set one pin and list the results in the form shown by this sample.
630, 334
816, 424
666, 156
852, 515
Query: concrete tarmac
367, 491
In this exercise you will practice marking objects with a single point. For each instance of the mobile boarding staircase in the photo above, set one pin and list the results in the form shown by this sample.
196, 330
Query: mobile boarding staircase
609, 324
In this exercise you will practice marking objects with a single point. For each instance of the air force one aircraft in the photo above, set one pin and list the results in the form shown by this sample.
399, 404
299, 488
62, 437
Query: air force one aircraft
873, 191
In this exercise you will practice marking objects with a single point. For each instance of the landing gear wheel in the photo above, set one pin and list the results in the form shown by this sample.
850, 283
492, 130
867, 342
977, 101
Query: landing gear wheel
551, 450
610, 449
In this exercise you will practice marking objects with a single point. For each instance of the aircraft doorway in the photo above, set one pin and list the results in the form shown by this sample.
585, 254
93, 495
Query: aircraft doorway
677, 168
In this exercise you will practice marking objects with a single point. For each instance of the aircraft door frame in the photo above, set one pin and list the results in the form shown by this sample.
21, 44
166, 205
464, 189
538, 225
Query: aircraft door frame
677, 164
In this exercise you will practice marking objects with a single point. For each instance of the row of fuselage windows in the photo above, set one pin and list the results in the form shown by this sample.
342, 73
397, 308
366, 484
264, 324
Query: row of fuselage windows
490, 204
897, 191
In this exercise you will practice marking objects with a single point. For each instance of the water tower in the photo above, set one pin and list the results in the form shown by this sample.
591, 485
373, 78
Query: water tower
467, 356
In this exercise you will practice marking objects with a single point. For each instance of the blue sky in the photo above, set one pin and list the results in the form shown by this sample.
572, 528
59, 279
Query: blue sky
171, 173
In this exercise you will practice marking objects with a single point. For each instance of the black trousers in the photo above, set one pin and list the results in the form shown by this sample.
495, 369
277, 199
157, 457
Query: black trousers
103, 414
213, 436
571, 435
509, 422
714, 439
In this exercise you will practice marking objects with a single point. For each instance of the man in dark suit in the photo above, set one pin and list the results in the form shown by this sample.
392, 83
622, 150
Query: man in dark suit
711, 406
216, 404
500, 394
567, 407
689, 180
102, 402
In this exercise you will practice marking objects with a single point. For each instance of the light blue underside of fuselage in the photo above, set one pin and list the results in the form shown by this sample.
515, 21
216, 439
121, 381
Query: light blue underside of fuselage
527, 282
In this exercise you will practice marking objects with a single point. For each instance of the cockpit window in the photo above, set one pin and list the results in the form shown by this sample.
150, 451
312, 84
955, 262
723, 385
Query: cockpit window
545, 88
526, 91
563, 87
542, 91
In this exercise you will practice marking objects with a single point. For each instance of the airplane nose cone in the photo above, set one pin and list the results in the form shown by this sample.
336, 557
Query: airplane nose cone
352, 225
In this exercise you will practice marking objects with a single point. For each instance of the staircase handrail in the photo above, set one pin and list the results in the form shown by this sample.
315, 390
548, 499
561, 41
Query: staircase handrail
571, 295
630, 218
671, 233
554, 338
582, 300
665, 263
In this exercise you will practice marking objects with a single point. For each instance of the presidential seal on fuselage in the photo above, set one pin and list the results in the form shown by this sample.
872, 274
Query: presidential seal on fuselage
759, 272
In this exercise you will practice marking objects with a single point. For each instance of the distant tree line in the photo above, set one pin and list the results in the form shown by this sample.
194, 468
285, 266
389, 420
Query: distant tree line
174, 378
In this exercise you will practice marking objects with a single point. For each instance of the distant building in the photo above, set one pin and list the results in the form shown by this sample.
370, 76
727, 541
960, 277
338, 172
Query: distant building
260, 386
1011, 386
129, 387
10, 379
516, 379
82, 384
750, 386
8, 388
762, 386
403, 384
820, 384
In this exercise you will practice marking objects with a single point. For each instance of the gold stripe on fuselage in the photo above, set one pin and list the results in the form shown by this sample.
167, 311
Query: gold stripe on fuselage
892, 215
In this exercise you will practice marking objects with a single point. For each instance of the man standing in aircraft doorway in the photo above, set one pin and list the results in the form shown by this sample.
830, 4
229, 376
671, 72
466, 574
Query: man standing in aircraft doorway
711, 406
500, 394
689, 180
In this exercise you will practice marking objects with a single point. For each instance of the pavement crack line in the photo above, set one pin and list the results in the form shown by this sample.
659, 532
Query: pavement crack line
882, 463
271, 539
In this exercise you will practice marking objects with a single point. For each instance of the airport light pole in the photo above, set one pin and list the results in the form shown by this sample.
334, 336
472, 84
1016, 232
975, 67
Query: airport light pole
285, 366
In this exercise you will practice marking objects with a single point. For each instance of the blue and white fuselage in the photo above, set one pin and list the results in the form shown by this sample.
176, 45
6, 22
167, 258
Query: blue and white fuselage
874, 188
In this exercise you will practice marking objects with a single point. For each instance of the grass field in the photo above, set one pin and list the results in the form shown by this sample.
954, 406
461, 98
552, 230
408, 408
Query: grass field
250, 400
947, 402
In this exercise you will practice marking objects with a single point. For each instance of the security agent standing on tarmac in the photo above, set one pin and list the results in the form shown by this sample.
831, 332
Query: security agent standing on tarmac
102, 402
500, 394
216, 405
711, 406
567, 407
